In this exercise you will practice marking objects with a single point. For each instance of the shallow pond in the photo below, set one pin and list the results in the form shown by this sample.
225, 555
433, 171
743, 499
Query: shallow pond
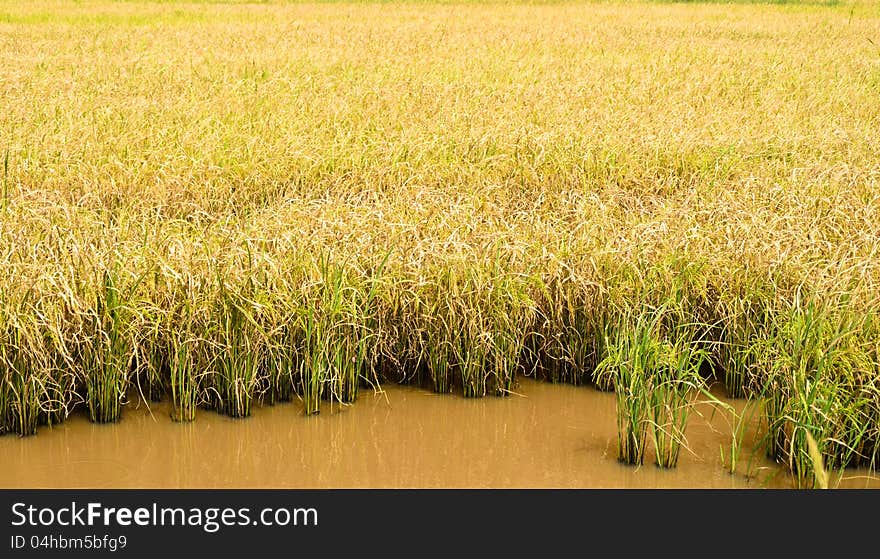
547, 436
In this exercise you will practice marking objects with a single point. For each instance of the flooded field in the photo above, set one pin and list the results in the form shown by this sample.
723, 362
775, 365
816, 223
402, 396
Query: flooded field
549, 436
233, 204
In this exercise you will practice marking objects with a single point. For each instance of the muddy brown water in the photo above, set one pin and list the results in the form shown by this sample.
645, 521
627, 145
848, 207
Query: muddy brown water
548, 436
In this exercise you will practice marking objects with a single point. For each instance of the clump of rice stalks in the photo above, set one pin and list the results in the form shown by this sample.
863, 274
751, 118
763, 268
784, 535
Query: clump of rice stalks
438, 323
509, 319
475, 324
354, 340
632, 349
745, 312
152, 357
314, 367
653, 357
869, 450
183, 377
339, 340
337, 332
106, 352
171, 356
571, 324
672, 387
61, 390
279, 363
470, 352
471, 323
403, 312
237, 344
819, 382
24, 374
457, 337
188, 357
281, 300
37, 385
153, 344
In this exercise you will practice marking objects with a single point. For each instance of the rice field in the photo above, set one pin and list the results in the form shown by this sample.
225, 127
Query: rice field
227, 205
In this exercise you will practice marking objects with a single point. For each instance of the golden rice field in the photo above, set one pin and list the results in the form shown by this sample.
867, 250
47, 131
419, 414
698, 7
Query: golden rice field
230, 204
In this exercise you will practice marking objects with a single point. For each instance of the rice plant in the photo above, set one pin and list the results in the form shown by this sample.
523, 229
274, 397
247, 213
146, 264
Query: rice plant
436, 323
280, 360
107, 352
674, 384
238, 343
152, 356
25, 378
817, 365
62, 390
632, 354
184, 379
571, 327
314, 366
